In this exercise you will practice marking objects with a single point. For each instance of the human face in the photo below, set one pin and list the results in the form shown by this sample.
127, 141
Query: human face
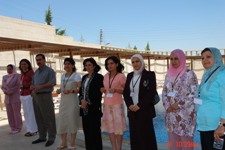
89, 67
40, 61
9, 70
174, 61
68, 67
136, 63
112, 66
24, 66
207, 59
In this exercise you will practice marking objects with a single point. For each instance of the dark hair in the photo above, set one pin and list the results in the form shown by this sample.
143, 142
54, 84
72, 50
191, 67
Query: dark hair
72, 62
10, 65
116, 60
205, 50
42, 55
91, 60
26, 61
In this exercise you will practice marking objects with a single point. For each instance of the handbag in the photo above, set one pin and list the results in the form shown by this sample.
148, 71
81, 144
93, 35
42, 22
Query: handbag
156, 98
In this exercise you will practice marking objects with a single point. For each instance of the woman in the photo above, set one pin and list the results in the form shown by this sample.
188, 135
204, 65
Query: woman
69, 104
139, 93
113, 120
211, 99
90, 99
25, 97
11, 89
178, 99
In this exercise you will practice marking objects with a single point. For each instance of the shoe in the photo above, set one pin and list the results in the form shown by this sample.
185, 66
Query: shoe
49, 143
28, 134
71, 148
61, 147
38, 141
14, 132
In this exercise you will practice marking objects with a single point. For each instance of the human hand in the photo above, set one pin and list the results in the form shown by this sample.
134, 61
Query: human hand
219, 132
67, 91
103, 90
83, 104
58, 91
112, 90
175, 106
170, 109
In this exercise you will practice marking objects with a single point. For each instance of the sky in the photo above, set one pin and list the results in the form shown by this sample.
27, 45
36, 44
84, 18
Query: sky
165, 24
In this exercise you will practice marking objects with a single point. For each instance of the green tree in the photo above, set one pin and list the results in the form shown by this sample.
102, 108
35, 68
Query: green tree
48, 16
129, 46
60, 32
147, 47
135, 47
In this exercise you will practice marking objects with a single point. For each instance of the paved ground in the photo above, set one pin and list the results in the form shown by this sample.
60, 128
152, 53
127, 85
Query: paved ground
20, 142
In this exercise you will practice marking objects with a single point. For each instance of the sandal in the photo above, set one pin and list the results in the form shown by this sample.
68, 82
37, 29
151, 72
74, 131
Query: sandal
61, 147
34, 133
27, 134
72, 148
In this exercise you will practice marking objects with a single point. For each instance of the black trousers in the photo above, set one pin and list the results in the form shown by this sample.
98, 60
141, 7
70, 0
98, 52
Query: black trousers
207, 139
92, 131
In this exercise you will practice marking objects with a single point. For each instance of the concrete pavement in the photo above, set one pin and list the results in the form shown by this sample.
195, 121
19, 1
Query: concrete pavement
20, 142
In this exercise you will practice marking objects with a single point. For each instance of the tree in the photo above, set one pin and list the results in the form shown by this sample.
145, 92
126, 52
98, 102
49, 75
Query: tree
147, 47
48, 16
129, 46
135, 47
81, 38
60, 32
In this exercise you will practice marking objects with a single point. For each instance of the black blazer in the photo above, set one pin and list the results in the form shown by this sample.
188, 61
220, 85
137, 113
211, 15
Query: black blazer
147, 90
95, 95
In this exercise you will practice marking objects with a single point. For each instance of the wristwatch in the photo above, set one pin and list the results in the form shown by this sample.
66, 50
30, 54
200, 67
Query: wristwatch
221, 124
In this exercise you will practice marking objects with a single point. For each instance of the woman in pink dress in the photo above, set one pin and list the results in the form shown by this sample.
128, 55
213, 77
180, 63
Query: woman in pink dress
113, 120
11, 89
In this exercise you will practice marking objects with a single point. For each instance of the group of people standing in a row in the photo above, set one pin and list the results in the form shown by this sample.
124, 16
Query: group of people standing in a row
185, 102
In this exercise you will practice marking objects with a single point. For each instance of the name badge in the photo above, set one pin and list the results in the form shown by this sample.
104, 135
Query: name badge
171, 94
109, 95
198, 101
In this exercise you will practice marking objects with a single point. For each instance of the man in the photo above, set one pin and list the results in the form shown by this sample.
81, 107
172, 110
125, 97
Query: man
42, 86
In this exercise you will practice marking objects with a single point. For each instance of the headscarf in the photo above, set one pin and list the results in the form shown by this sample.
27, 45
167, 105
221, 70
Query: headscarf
10, 76
137, 72
174, 72
218, 66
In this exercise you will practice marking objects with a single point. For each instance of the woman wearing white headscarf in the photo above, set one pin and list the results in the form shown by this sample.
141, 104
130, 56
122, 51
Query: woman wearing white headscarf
11, 89
139, 92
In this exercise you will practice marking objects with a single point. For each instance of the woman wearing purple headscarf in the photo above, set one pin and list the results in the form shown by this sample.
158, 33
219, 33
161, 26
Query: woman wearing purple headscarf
11, 89
178, 99
139, 92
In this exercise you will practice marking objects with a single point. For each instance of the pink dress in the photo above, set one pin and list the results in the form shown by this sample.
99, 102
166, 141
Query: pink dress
113, 120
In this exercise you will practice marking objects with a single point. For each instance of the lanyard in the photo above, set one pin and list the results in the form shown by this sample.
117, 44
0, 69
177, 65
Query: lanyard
134, 84
175, 81
110, 83
207, 79
64, 83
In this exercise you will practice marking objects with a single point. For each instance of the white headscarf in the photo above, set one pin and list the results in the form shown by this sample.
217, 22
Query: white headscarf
137, 72
10, 76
